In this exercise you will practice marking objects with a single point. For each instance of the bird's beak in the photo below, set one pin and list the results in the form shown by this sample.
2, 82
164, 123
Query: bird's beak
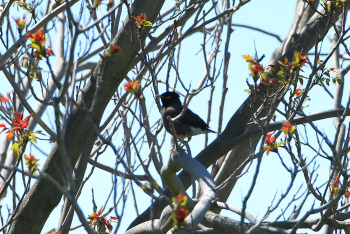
159, 96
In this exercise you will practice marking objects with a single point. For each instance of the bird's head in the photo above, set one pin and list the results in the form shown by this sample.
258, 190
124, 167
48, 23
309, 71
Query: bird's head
169, 98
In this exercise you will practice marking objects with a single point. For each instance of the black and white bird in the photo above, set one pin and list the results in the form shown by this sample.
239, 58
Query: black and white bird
188, 125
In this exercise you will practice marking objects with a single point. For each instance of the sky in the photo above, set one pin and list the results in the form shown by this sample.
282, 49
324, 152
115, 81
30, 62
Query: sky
274, 16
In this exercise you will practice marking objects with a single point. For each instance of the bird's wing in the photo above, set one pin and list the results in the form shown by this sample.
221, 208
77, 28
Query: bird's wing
193, 120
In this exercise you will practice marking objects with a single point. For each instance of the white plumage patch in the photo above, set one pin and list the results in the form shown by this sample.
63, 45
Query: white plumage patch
196, 131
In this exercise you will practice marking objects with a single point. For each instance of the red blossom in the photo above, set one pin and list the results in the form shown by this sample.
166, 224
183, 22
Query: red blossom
18, 125
271, 145
31, 162
38, 37
95, 215
180, 211
9, 133
38, 44
140, 18
131, 86
141, 21
49, 51
180, 198
4, 127
288, 129
6, 98
20, 23
101, 222
298, 91
337, 182
287, 126
180, 214
304, 59
114, 50
300, 60
257, 68
336, 186
270, 138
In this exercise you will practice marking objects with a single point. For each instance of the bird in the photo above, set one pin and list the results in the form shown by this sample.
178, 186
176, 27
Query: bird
188, 125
